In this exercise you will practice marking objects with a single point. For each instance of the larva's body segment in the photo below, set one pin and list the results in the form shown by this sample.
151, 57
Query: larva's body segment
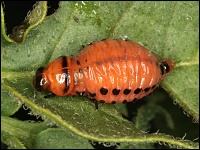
109, 71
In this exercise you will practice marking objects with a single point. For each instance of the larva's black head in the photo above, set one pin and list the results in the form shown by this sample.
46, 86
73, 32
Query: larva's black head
56, 77
37, 80
166, 66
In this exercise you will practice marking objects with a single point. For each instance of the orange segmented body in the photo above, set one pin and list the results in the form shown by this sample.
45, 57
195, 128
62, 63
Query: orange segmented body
110, 71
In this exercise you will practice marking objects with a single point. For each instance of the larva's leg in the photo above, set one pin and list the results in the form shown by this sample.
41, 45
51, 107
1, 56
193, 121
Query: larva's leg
96, 104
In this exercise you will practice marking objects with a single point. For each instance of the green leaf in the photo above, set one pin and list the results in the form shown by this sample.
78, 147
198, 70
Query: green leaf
147, 112
169, 29
59, 138
184, 87
19, 134
9, 103
34, 17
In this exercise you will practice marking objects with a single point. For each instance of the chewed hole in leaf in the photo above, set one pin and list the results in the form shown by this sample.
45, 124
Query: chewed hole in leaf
52, 7
29, 19
24, 113
11, 8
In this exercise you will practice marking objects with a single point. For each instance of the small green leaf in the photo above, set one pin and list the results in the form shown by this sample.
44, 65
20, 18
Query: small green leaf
34, 17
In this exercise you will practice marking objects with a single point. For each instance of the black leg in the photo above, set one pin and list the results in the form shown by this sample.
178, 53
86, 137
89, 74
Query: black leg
49, 95
96, 104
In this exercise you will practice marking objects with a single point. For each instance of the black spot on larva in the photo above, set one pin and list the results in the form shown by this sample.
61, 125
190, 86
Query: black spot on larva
85, 60
87, 68
164, 67
146, 89
113, 102
115, 91
102, 101
126, 91
78, 62
92, 94
153, 87
137, 91
103, 91
124, 101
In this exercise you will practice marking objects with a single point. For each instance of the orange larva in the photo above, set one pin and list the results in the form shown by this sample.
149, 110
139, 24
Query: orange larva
110, 71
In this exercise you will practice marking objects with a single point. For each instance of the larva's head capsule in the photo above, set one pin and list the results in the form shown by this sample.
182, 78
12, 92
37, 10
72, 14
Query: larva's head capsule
40, 83
56, 77
166, 66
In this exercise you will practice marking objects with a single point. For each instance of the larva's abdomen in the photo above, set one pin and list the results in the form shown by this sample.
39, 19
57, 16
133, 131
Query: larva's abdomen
109, 71
117, 71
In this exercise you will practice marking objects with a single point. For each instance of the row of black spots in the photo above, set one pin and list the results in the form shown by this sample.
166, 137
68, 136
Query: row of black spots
138, 90
115, 91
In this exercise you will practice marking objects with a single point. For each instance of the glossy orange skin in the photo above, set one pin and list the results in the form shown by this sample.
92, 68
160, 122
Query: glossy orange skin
114, 65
